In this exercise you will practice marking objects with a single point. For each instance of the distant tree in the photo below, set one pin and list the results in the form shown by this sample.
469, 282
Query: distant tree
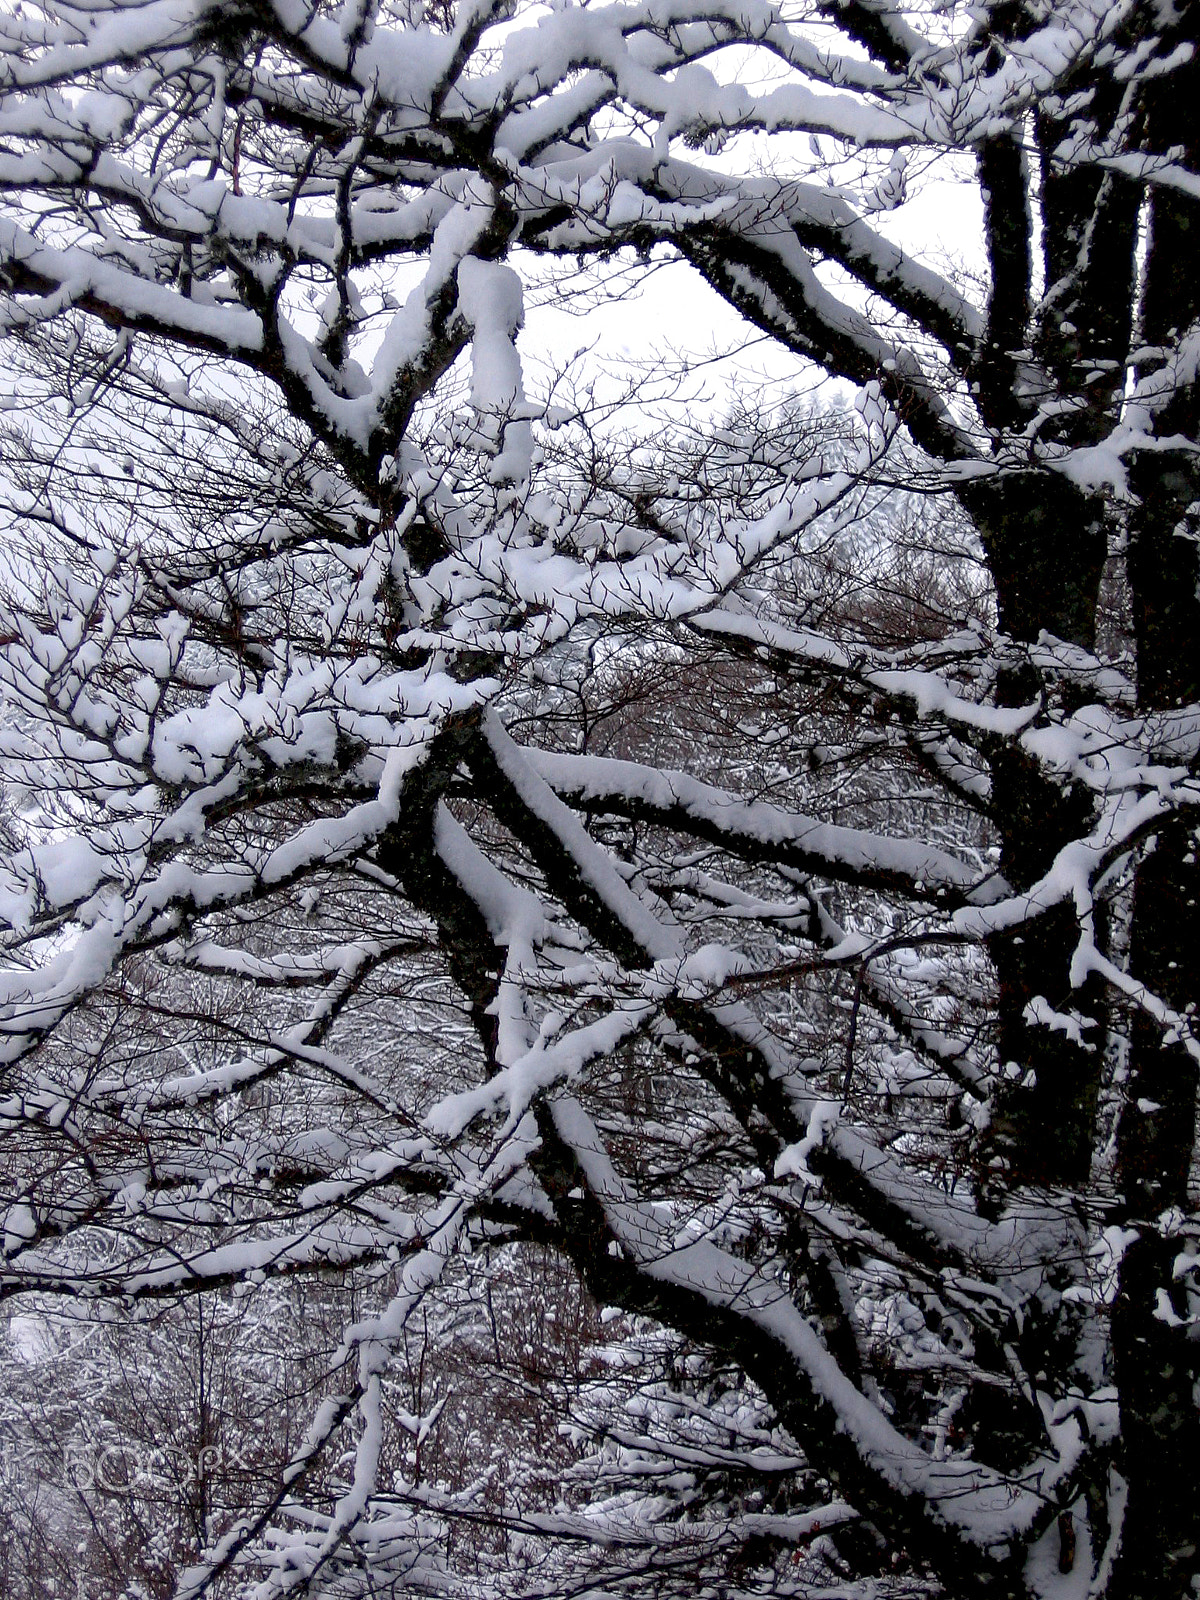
756, 867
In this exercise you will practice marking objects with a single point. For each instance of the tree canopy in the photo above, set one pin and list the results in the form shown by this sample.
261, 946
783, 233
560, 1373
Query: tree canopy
452, 813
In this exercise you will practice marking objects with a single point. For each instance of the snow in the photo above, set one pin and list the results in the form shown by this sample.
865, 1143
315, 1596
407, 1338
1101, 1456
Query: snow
490, 297
780, 835
792, 1162
309, 560
986, 1508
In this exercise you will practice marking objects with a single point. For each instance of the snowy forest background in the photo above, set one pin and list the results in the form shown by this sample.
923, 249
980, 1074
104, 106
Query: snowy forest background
599, 968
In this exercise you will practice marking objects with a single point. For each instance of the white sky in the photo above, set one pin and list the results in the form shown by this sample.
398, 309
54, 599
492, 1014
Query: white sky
672, 309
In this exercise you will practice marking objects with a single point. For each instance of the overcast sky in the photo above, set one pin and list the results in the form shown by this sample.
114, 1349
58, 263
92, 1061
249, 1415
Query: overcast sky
672, 309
